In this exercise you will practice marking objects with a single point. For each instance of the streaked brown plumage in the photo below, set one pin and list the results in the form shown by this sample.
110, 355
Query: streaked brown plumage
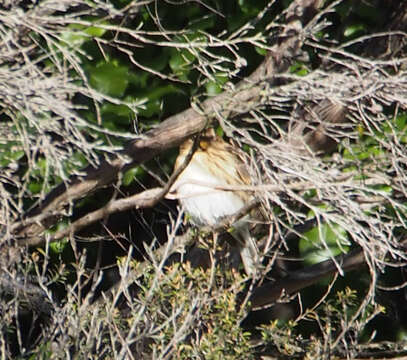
216, 163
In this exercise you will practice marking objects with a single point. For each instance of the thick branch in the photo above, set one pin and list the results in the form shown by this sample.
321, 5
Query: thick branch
300, 279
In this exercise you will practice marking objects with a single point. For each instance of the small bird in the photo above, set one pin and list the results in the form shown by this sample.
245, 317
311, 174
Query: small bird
216, 163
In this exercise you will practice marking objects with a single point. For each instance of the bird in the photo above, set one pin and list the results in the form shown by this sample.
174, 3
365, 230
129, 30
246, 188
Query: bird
216, 164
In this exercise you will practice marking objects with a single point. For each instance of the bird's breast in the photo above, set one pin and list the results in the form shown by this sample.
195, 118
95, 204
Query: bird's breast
195, 188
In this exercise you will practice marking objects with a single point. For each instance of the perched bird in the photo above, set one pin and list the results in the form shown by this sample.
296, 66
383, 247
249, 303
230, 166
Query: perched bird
216, 163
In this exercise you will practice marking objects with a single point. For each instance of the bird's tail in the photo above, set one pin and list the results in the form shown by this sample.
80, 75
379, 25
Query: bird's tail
248, 249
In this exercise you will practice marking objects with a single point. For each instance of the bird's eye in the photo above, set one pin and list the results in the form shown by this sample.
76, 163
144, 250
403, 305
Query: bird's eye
204, 144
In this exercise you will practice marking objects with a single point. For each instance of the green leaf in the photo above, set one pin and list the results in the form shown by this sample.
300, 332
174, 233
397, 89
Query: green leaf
354, 30
73, 38
299, 69
214, 87
181, 60
261, 51
132, 174
58, 247
323, 242
95, 31
75, 162
77, 34
34, 187
109, 78
401, 122
180, 65
9, 153
118, 115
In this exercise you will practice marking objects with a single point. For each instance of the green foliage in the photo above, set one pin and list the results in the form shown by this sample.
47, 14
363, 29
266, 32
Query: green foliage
323, 242
198, 308
299, 69
77, 34
132, 174
214, 87
109, 78
333, 317
283, 338
10, 152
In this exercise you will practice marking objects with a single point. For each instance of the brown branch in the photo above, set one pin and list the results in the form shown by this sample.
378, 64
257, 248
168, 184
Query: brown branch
137, 201
300, 279
383, 350
145, 199
25, 294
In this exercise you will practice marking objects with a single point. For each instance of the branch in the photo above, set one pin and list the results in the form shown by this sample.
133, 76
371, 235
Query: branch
300, 279
145, 199
26, 294
297, 280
